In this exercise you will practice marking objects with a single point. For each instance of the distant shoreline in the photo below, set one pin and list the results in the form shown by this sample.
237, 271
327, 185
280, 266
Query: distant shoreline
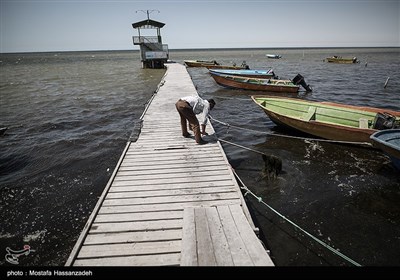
209, 49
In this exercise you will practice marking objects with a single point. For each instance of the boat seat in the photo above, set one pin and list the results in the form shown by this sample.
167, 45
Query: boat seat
363, 123
310, 115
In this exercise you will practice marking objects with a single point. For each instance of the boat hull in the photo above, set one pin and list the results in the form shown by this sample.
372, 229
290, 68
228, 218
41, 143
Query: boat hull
389, 142
273, 56
264, 74
325, 131
342, 60
200, 63
226, 67
326, 120
240, 82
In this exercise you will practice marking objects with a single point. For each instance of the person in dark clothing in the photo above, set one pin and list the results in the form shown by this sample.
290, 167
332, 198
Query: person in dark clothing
190, 106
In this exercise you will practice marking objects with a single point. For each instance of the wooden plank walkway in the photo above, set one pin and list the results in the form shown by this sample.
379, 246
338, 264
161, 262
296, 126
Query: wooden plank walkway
159, 180
220, 236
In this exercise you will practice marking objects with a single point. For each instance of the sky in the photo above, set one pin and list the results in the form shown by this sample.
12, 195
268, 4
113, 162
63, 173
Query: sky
80, 25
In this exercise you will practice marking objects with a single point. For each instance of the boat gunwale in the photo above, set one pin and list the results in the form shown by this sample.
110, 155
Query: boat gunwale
332, 104
385, 142
247, 71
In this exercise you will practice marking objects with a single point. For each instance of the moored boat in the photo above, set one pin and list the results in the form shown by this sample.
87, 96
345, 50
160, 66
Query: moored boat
233, 67
200, 63
266, 74
389, 142
274, 56
328, 120
260, 84
339, 59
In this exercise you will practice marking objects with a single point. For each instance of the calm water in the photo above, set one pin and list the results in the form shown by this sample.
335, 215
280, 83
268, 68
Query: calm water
71, 114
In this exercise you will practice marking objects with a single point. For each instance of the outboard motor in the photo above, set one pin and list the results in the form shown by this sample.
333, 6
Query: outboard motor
299, 80
384, 121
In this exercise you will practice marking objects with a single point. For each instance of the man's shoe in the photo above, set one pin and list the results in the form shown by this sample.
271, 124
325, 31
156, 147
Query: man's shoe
202, 142
186, 135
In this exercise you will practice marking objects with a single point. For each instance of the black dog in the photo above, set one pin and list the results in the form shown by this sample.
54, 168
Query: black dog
272, 167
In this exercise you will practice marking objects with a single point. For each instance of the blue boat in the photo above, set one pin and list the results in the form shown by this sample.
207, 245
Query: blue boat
266, 74
388, 141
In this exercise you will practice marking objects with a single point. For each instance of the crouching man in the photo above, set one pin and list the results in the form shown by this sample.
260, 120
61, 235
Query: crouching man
190, 106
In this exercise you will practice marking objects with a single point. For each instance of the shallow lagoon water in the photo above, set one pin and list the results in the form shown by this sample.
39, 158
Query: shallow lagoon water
71, 114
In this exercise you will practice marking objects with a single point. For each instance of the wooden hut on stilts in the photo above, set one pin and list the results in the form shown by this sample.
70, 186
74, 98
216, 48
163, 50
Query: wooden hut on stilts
153, 52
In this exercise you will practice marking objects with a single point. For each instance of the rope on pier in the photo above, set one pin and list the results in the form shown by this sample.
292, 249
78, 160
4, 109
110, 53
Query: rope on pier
240, 146
293, 137
137, 127
152, 97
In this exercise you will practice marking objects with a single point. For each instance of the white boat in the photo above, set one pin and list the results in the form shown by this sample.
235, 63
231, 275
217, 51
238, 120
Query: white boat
276, 56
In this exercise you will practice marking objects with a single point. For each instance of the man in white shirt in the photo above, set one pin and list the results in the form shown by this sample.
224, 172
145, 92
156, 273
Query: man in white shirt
188, 107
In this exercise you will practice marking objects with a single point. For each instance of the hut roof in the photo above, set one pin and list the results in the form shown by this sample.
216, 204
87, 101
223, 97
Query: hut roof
148, 23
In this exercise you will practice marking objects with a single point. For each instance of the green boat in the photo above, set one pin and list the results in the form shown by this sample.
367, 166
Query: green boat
328, 120
343, 60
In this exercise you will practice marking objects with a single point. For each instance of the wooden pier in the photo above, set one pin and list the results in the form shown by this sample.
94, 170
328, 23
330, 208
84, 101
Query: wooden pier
170, 201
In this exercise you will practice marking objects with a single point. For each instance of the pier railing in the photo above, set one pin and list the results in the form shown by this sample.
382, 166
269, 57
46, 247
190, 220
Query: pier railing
137, 40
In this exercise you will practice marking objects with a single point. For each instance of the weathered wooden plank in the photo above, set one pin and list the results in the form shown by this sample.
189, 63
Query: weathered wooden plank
171, 149
237, 247
133, 236
252, 243
195, 161
146, 260
131, 176
170, 153
205, 249
220, 243
171, 166
172, 180
170, 199
146, 216
164, 162
142, 194
176, 170
162, 142
189, 242
165, 207
176, 156
189, 142
136, 226
130, 249
190, 185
